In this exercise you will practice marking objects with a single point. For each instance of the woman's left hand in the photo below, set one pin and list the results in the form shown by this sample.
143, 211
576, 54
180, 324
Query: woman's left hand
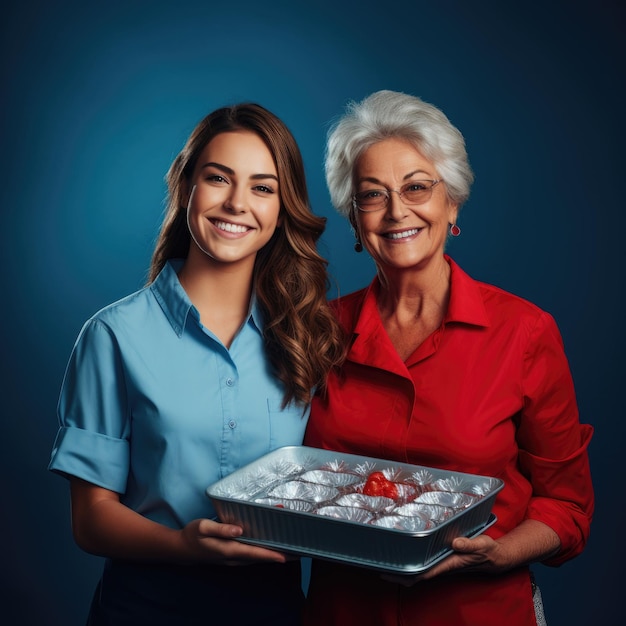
530, 541
481, 554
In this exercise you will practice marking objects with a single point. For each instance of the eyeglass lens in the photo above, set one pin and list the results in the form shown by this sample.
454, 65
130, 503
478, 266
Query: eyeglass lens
415, 192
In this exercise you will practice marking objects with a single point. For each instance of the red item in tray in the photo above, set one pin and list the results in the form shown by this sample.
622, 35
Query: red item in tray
378, 484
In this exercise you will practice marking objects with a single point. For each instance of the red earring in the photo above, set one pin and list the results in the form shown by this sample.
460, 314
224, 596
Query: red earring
455, 231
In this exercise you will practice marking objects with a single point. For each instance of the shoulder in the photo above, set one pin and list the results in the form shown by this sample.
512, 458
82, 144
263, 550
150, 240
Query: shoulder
518, 315
500, 309
127, 311
496, 297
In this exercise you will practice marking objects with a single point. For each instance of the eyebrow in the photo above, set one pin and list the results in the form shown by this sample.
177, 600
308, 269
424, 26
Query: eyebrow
231, 172
371, 179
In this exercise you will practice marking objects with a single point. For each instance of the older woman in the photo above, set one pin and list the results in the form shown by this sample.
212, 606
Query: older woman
447, 372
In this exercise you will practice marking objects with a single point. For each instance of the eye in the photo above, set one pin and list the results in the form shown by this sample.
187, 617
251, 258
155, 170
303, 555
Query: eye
370, 194
265, 189
418, 185
216, 178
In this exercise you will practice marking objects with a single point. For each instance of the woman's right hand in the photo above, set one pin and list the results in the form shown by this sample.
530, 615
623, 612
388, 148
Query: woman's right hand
211, 541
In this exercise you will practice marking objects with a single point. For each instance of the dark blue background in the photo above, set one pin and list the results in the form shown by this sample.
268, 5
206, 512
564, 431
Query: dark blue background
99, 98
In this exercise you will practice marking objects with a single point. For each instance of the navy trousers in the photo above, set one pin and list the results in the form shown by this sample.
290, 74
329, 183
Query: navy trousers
131, 594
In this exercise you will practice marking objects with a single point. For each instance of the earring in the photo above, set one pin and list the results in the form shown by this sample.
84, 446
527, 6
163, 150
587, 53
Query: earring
358, 246
455, 231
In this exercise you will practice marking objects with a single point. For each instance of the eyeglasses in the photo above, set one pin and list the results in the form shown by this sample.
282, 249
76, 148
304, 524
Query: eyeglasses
415, 192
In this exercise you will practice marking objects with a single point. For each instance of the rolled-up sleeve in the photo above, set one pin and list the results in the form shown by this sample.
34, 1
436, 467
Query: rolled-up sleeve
553, 444
93, 438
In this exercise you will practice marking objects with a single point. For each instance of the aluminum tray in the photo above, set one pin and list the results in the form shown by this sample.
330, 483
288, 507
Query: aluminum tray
245, 498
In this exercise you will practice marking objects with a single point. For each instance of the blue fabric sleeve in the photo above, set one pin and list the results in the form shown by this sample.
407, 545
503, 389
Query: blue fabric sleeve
93, 438
93, 457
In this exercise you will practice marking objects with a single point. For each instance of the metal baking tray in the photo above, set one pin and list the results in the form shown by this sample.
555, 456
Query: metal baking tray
319, 503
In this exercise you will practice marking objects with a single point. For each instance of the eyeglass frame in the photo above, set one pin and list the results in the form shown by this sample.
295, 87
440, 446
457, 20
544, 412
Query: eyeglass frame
387, 194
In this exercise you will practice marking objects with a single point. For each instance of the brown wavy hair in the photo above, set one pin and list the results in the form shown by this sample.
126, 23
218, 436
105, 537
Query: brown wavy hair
302, 337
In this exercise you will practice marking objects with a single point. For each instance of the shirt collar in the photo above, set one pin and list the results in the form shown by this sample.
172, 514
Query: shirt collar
255, 315
177, 306
466, 303
466, 300
171, 296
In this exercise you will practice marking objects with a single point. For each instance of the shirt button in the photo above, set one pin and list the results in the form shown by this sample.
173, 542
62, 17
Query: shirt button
232, 424
230, 382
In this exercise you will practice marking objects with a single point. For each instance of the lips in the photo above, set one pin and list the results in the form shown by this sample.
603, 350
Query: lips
402, 234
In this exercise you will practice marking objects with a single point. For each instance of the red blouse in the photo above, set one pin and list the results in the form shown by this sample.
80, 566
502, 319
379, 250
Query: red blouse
490, 392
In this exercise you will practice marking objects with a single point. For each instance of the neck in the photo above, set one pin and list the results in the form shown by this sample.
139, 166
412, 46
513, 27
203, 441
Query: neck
219, 291
415, 292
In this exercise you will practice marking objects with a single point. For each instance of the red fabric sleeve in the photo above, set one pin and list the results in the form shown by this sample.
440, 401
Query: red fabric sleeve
553, 444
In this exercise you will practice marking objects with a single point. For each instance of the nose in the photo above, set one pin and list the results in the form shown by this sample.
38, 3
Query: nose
396, 209
236, 200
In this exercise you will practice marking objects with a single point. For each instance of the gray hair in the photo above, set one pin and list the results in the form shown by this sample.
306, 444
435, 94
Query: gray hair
386, 114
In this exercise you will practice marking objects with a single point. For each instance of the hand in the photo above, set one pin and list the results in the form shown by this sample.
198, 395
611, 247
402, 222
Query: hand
210, 541
527, 543
480, 554
104, 526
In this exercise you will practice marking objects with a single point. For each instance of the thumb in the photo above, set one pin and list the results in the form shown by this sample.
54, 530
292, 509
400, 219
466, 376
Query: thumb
210, 528
461, 544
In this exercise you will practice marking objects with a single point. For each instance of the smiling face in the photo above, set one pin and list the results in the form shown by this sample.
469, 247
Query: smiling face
234, 202
402, 236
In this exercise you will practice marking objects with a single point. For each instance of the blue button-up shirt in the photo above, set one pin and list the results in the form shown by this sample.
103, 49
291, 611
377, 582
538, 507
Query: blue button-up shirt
153, 405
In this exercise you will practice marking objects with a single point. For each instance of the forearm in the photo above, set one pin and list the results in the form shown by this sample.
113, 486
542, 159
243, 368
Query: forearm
530, 542
104, 526
108, 528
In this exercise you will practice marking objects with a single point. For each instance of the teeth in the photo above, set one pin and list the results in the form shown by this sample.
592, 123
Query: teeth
402, 235
231, 228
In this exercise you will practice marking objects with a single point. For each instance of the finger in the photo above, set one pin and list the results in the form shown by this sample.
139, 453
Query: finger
245, 553
466, 545
235, 552
447, 566
461, 545
210, 528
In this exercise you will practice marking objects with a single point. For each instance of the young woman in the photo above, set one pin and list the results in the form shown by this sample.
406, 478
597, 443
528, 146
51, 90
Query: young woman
208, 367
